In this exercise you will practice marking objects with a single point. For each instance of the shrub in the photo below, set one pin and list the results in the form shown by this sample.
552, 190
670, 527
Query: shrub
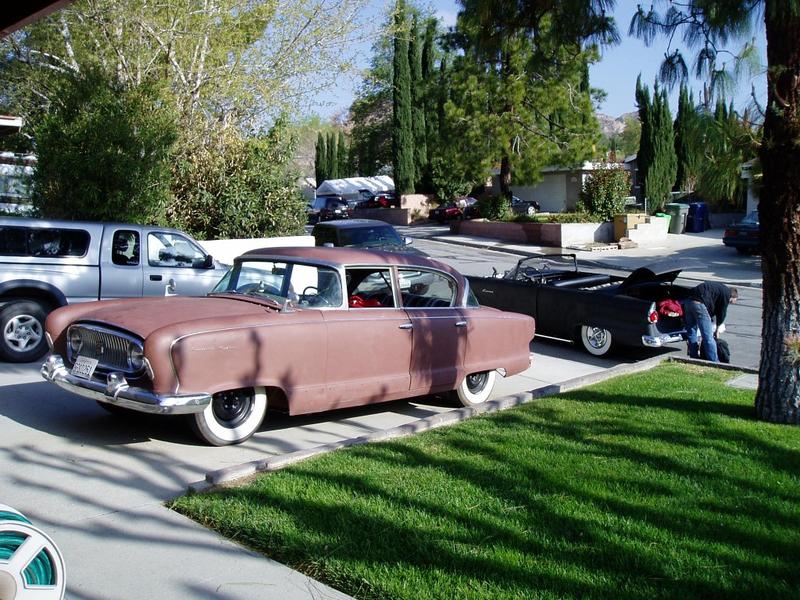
603, 195
447, 184
495, 208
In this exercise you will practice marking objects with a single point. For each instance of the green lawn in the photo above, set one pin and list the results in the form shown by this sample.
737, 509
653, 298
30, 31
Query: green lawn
654, 485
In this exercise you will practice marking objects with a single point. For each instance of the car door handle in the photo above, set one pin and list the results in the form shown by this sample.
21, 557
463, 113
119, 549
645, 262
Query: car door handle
461, 323
407, 326
155, 277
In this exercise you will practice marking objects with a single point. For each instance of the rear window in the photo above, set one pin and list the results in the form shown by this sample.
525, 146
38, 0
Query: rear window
43, 242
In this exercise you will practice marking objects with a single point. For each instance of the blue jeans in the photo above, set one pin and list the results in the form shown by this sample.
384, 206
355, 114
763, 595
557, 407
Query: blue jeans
696, 317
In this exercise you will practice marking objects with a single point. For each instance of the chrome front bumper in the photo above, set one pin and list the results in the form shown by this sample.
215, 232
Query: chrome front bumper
116, 391
656, 341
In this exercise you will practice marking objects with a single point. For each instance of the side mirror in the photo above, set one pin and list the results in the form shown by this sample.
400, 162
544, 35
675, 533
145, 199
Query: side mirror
208, 263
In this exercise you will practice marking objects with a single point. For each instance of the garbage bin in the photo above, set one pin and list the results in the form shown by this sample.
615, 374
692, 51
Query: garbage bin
662, 215
698, 219
678, 213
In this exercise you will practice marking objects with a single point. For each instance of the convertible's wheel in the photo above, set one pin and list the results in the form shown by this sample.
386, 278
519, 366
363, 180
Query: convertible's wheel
22, 331
232, 416
595, 340
475, 388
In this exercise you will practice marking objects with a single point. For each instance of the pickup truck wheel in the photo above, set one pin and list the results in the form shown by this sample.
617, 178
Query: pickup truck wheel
22, 328
475, 388
231, 417
595, 340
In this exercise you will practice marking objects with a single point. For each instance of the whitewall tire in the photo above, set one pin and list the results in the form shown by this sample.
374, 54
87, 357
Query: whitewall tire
595, 340
231, 417
476, 388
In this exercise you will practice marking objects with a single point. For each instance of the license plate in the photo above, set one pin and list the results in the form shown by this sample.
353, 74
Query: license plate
84, 367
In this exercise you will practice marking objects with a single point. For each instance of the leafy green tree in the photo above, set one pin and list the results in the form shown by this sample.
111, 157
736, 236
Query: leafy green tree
341, 156
687, 148
104, 152
330, 156
516, 98
418, 103
403, 135
321, 159
644, 158
710, 26
603, 194
246, 187
430, 90
628, 142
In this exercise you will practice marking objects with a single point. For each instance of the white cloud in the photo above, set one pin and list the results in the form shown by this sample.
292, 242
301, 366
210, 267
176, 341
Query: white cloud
447, 17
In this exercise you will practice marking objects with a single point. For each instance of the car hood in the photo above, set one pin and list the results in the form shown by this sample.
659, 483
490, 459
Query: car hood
665, 271
143, 316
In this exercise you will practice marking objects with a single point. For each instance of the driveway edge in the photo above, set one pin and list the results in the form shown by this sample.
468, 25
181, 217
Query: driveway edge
227, 475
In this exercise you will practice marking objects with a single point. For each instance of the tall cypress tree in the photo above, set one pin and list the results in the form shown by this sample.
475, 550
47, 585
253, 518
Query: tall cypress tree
418, 100
644, 158
402, 136
341, 156
430, 87
320, 160
661, 175
333, 167
686, 147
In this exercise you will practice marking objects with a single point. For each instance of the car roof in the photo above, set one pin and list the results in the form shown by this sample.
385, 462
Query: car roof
351, 223
337, 256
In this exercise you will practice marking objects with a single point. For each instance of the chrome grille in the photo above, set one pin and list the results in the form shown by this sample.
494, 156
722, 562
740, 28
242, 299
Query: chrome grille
108, 347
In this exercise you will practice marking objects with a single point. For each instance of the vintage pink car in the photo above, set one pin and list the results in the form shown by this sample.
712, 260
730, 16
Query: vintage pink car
299, 329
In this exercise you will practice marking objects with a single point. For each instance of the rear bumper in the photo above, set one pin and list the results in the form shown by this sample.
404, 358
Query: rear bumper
657, 341
115, 390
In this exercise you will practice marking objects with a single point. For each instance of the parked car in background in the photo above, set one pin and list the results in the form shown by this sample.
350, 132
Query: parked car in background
744, 235
384, 199
461, 208
593, 309
362, 233
48, 264
301, 330
524, 207
327, 208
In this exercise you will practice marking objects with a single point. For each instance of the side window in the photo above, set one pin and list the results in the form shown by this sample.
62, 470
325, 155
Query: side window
13, 241
424, 289
125, 247
324, 235
369, 288
173, 250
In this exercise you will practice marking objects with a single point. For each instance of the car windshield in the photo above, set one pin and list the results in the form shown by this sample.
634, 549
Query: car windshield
751, 218
299, 284
367, 237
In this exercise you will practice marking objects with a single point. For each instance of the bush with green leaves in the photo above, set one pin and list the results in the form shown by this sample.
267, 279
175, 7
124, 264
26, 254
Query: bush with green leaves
447, 184
495, 208
104, 152
238, 188
603, 194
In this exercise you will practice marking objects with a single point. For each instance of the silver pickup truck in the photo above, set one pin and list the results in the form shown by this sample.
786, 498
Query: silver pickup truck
48, 264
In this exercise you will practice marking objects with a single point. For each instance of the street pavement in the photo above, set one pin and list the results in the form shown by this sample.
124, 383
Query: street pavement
96, 483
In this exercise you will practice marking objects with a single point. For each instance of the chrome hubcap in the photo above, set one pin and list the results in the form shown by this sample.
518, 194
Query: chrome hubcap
22, 333
596, 336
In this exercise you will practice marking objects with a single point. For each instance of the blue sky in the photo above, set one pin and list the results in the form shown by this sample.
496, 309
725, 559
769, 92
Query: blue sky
616, 72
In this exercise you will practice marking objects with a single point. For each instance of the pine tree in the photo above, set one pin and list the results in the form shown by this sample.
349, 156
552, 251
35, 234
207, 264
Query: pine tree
341, 156
321, 160
332, 166
402, 136
418, 103
686, 149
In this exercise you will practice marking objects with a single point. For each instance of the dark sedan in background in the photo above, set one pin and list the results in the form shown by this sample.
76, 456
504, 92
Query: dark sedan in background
743, 235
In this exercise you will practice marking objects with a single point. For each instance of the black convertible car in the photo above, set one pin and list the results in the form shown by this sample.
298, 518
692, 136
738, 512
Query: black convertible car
593, 309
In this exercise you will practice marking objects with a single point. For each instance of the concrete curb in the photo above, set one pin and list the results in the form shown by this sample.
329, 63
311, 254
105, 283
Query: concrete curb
227, 475
516, 252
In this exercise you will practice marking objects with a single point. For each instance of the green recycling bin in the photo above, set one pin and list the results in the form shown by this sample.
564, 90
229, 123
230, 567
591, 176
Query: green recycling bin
678, 213
664, 216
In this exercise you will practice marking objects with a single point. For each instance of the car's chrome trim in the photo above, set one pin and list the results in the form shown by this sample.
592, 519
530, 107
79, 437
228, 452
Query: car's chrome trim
656, 341
118, 392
